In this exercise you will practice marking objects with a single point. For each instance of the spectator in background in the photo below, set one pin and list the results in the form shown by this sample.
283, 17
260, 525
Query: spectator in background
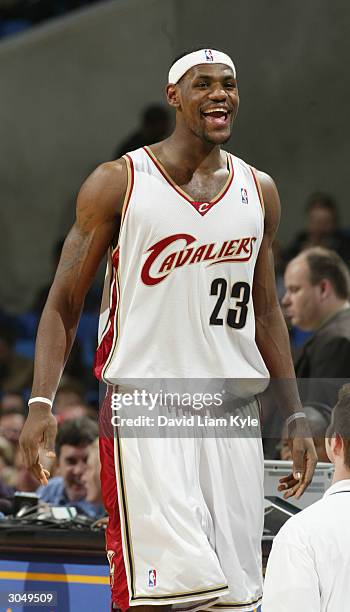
155, 126
319, 418
12, 400
23, 479
72, 449
17, 15
7, 454
91, 477
16, 371
76, 411
11, 423
309, 564
322, 229
69, 393
317, 299
6, 499
7, 476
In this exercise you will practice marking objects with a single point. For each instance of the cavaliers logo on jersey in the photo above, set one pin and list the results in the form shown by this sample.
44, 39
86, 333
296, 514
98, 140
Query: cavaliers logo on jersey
162, 260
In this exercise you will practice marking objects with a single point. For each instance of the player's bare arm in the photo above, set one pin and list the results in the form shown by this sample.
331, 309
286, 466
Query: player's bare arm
99, 200
273, 342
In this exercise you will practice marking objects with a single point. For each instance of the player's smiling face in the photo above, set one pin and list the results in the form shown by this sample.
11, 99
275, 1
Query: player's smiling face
208, 101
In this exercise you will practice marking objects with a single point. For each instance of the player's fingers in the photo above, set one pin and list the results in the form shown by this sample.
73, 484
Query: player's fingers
44, 477
40, 473
300, 489
287, 485
307, 476
49, 436
287, 478
30, 452
292, 491
37, 471
298, 462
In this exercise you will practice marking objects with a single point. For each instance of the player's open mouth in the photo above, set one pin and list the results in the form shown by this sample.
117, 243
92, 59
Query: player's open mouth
217, 117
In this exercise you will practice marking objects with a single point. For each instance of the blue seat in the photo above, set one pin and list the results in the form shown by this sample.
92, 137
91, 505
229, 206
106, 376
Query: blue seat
28, 324
25, 347
87, 336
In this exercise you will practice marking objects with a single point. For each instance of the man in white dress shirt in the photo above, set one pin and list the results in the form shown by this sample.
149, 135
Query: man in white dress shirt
309, 564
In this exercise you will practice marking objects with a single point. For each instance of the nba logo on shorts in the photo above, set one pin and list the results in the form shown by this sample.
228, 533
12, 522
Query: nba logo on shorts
152, 578
209, 55
244, 195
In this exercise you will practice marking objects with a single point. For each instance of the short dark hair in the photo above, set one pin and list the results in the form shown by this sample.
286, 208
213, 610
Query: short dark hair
325, 263
76, 432
341, 421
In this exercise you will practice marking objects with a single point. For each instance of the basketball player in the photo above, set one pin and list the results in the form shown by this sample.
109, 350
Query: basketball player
190, 293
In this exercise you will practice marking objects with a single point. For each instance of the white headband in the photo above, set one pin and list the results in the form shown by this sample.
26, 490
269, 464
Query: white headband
204, 56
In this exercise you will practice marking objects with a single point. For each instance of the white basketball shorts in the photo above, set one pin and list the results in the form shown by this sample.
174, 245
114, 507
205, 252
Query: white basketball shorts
185, 520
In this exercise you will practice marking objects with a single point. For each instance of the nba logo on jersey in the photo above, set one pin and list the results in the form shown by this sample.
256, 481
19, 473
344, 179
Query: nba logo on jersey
244, 195
152, 578
209, 55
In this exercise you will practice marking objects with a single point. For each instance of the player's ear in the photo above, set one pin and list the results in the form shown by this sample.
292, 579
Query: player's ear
172, 94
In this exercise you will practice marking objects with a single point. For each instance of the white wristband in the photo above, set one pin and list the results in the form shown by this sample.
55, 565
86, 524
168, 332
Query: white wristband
296, 415
43, 400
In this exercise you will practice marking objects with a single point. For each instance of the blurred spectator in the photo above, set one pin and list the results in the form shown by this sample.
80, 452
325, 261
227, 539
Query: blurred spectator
23, 479
7, 476
7, 470
319, 418
72, 450
12, 400
16, 371
17, 15
75, 411
155, 126
6, 498
11, 424
317, 299
69, 393
91, 477
6, 454
322, 229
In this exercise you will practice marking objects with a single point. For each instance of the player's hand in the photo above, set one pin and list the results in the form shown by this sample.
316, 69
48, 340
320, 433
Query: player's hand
39, 431
304, 463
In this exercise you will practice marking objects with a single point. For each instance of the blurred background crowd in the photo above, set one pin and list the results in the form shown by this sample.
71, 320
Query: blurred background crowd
19, 15
312, 280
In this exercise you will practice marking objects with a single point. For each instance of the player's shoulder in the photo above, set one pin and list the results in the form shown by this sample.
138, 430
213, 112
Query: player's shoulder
107, 174
105, 188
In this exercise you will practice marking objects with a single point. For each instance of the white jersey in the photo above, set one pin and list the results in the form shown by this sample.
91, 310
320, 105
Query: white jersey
178, 290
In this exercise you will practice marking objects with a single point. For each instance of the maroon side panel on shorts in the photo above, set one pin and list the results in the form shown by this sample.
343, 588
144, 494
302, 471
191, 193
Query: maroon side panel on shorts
118, 580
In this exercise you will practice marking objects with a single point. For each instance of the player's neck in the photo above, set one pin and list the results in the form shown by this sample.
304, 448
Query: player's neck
192, 153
